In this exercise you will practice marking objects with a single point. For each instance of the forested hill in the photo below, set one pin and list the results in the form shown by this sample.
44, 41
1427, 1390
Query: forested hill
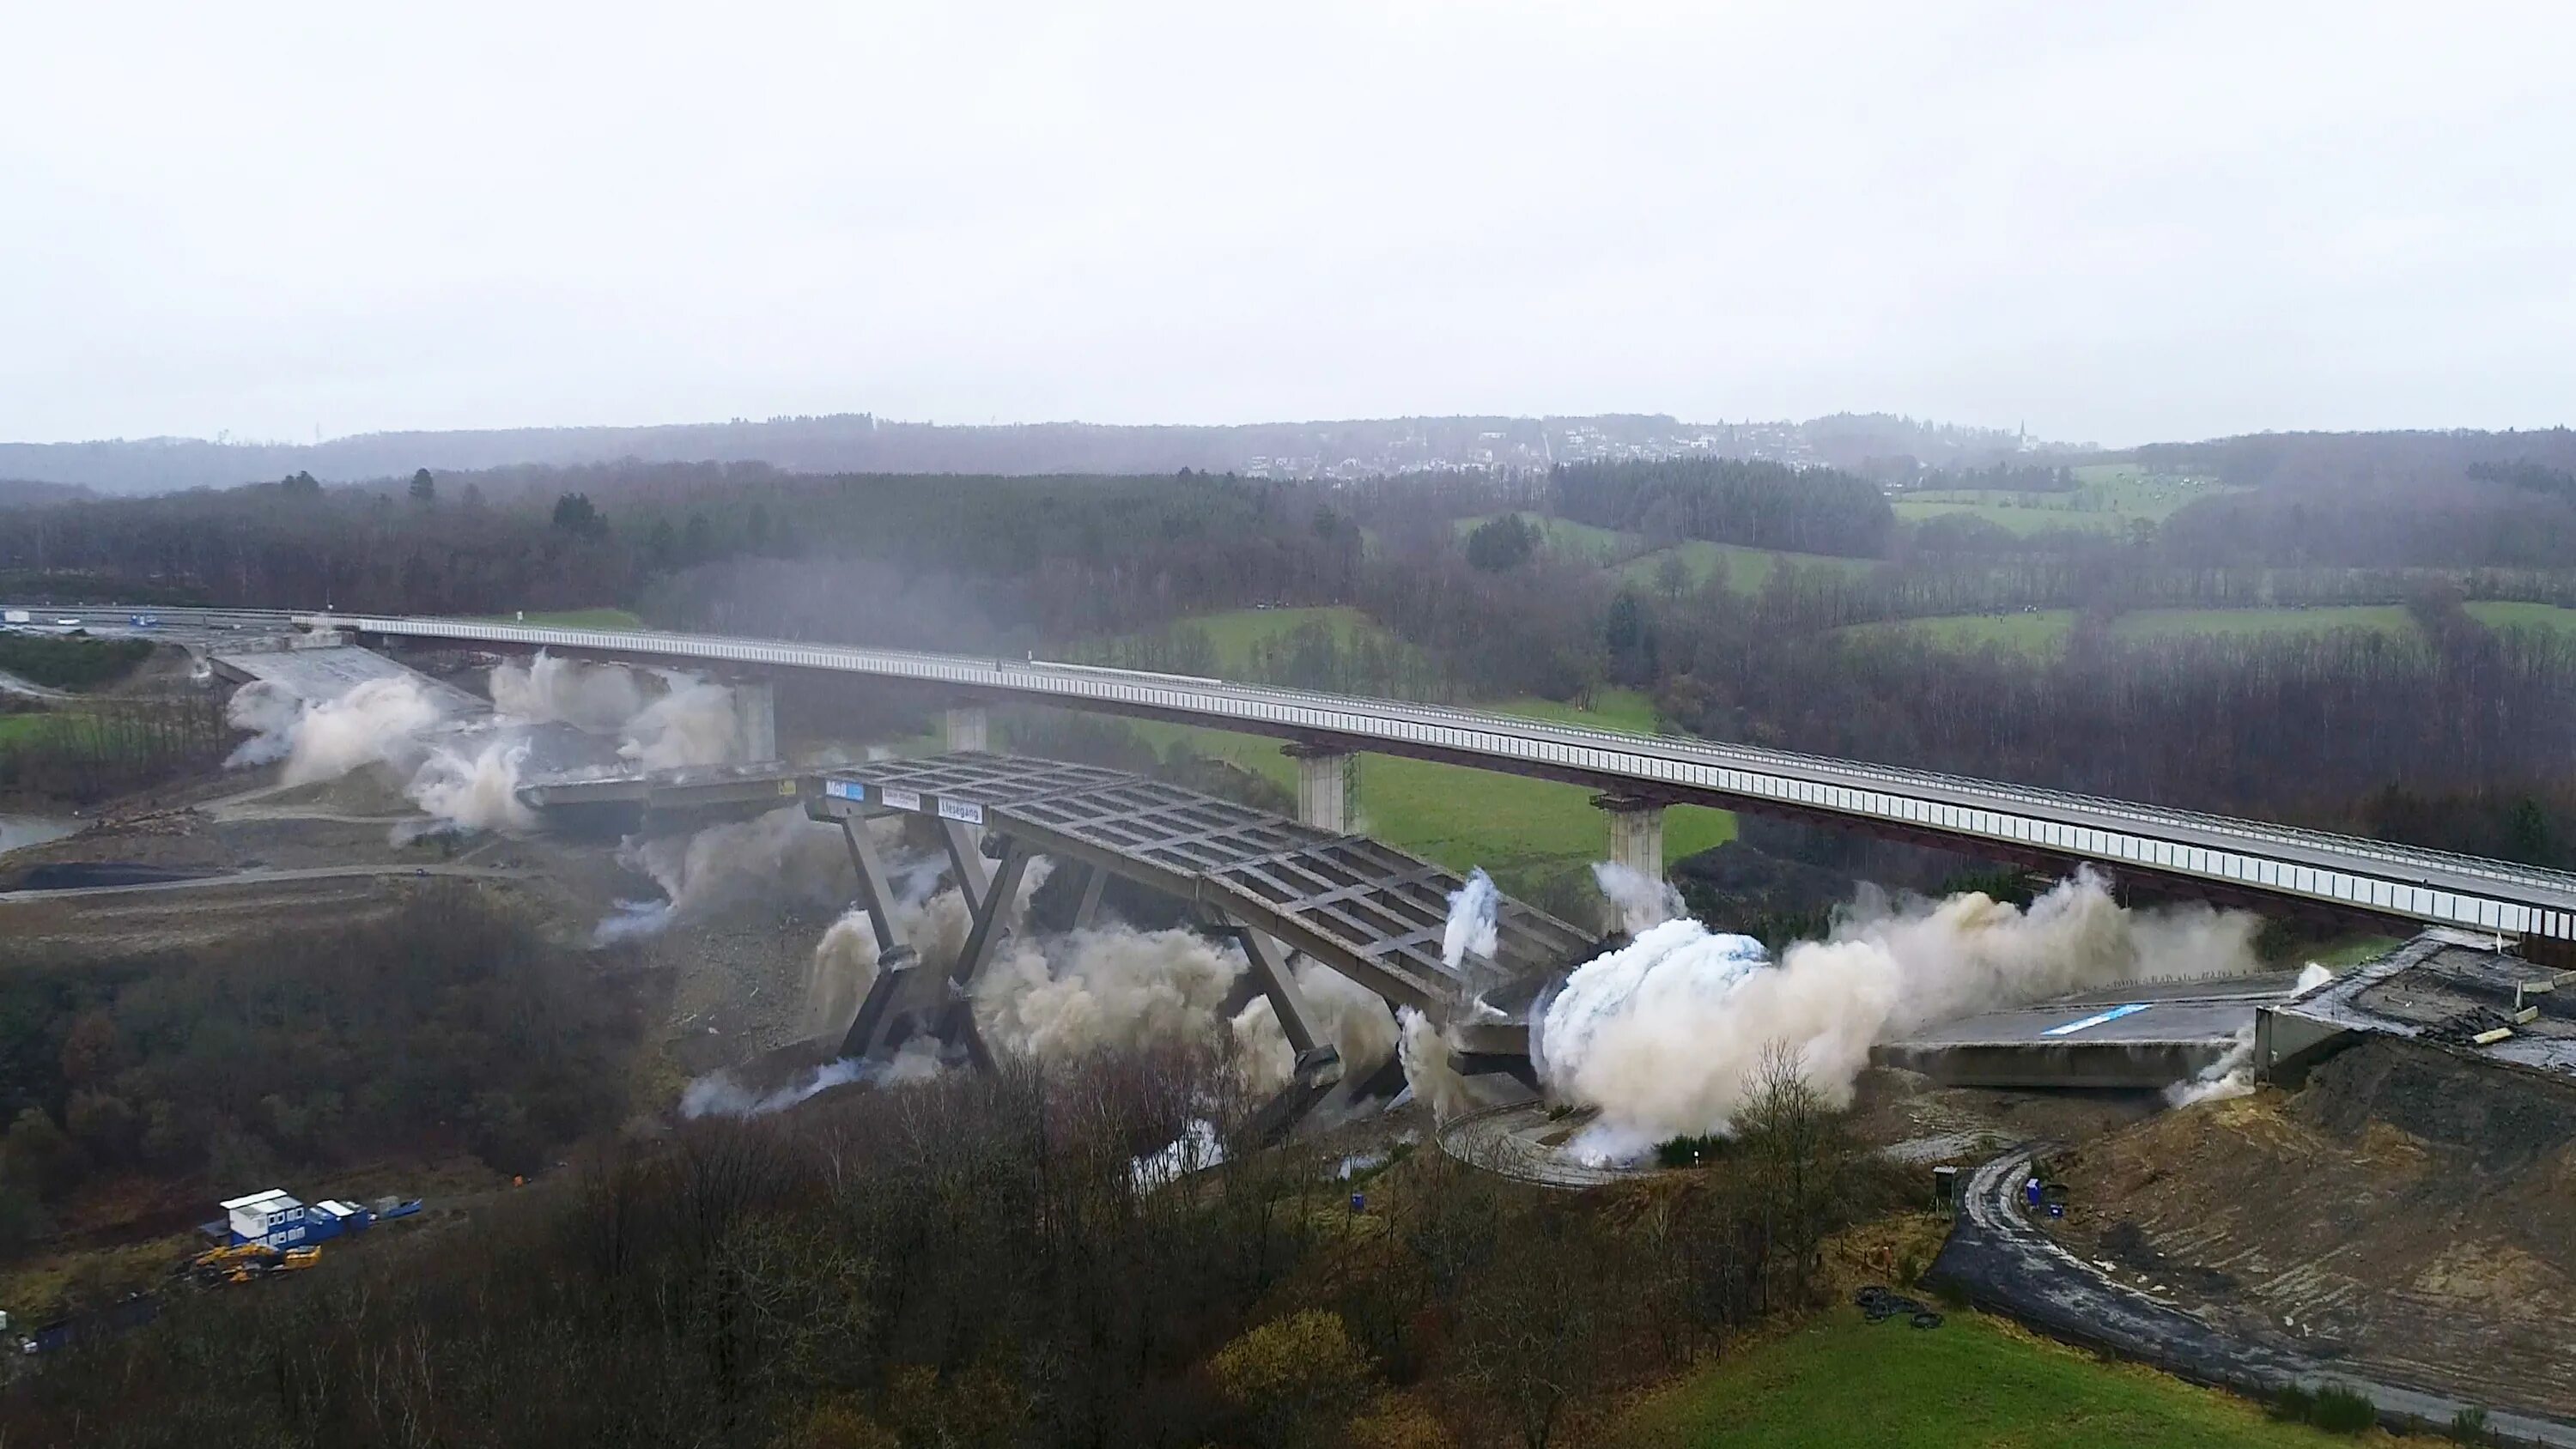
860, 443
1729, 500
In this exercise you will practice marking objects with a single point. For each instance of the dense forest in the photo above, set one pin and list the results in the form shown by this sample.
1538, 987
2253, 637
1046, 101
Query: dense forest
440, 1022
1764, 505
997, 1259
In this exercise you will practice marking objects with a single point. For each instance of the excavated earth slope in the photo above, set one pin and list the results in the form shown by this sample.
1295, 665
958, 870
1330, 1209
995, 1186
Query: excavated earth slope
2407, 1209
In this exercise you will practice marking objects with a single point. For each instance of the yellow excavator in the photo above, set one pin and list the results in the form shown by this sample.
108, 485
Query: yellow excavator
249, 1262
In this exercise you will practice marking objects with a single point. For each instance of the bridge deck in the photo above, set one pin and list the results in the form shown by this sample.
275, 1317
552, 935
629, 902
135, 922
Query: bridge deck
2240, 856
1363, 908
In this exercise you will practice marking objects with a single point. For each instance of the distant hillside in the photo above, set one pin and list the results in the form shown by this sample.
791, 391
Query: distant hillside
860, 443
15, 491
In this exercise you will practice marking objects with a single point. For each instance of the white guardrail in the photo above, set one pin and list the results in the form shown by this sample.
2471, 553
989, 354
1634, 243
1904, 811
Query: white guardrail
2426, 885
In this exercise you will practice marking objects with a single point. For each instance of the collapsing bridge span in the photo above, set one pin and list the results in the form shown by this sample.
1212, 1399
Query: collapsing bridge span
1373, 913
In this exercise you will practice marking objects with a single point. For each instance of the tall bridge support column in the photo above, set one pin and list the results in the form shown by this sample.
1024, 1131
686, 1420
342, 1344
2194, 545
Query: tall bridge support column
1636, 842
895, 961
755, 720
1323, 787
957, 1023
1095, 882
1319, 1065
966, 857
968, 727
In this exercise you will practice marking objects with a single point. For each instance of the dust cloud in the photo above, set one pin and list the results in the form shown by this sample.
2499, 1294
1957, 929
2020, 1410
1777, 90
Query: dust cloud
1664, 1035
465, 774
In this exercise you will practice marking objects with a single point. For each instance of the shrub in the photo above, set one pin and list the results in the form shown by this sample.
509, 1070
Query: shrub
2341, 1410
1297, 1378
2293, 1404
2469, 1426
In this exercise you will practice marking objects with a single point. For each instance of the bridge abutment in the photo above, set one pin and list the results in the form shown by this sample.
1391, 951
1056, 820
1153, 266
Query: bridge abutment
968, 727
1325, 786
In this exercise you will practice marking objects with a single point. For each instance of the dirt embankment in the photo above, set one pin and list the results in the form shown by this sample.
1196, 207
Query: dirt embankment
2406, 1209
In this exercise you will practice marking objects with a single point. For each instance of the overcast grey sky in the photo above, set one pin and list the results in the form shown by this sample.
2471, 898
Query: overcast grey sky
2114, 221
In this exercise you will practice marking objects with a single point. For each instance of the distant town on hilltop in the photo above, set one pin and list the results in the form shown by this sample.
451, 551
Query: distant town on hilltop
862, 442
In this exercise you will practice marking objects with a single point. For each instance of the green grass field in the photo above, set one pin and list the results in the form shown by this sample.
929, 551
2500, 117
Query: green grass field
2048, 630
1748, 570
2154, 623
1462, 818
23, 728
1235, 632
2107, 497
2040, 633
2497, 614
1971, 1382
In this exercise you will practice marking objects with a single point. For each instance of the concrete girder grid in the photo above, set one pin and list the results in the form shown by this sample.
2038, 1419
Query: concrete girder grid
1364, 909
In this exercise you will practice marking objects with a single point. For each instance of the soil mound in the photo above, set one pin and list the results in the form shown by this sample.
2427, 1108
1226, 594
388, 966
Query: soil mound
2407, 1208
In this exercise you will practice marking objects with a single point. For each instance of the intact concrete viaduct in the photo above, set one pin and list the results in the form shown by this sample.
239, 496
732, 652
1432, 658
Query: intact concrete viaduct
1637, 775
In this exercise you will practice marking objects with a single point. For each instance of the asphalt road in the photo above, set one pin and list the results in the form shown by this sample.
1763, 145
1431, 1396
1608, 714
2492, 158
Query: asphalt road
265, 877
2006, 1265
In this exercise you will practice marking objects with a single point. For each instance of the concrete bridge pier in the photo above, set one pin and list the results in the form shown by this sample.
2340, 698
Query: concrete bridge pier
1636, 841
896, 964
1324, 786
968, 727
755, 720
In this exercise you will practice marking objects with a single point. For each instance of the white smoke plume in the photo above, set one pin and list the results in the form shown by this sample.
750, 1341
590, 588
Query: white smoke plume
1430, 1067
1354, 1019
693, 723
2232, 1075
781, 856
598, 698
934, 924
690, 722
1642, 901
474, 792
269, 714
1471, 930
393, 722
1664, 1035
720, 1094
1111, 987
378, 720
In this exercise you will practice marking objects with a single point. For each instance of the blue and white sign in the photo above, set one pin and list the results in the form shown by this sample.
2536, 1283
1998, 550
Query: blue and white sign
845, 789
2097, 1019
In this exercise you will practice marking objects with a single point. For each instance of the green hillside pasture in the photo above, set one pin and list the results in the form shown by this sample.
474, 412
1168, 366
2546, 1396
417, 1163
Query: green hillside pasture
2044, 632
2048, 630
1971, 1382
2160, 623
1235, 632
2108, 497
2498, 614
1748, 570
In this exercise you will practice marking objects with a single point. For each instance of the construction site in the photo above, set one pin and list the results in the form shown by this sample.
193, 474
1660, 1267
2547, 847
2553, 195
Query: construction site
2365, 1173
